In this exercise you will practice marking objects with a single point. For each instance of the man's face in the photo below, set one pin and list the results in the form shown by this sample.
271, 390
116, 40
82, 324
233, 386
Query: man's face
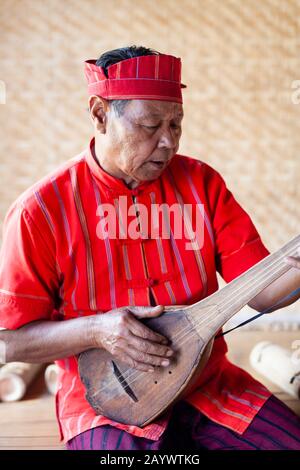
140, 143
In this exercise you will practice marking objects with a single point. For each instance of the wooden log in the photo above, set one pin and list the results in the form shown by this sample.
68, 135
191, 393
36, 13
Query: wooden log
15, 378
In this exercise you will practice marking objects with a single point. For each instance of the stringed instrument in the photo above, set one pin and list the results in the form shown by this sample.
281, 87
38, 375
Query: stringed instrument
130, 396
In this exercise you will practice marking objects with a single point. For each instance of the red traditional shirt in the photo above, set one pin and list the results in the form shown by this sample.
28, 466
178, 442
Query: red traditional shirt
56, 265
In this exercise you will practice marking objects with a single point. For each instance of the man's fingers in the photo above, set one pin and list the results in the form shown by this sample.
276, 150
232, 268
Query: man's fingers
141, 330
145, 358
147, 347
140, 360
139, 365
146, 312
123, 356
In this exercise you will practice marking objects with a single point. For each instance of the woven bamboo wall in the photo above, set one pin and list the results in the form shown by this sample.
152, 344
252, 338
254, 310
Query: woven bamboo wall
240, 58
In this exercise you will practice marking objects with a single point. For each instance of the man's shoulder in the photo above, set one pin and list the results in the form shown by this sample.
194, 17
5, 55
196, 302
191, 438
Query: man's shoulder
41, 190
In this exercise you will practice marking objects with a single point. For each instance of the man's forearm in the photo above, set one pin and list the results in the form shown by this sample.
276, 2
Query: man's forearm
282, 287
45, 341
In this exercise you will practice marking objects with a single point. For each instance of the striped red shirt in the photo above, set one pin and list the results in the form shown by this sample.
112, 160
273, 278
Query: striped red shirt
54, 265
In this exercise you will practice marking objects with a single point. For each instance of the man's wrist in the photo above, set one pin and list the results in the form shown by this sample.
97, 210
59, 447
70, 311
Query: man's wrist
92, 331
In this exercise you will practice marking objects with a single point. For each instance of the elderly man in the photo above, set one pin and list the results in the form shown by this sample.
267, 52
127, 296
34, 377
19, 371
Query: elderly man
66, 287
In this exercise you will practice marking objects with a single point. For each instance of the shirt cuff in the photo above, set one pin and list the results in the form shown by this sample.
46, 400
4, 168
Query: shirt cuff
16, 311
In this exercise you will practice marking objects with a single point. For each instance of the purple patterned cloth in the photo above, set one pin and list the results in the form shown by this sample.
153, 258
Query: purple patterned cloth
275, 427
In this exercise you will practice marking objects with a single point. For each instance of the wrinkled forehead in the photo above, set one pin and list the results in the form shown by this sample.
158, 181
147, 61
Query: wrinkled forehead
155, 109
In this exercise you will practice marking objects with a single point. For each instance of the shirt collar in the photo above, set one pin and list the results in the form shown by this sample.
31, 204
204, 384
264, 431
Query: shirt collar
113, 184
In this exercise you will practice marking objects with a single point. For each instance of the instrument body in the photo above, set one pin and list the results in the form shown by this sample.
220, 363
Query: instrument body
133, 397
124, 394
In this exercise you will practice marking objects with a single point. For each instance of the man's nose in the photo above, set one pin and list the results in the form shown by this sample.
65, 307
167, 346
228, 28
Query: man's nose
168, 139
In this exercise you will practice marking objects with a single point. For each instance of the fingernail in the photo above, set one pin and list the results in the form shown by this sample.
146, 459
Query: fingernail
150, 370
165, 363
170, 352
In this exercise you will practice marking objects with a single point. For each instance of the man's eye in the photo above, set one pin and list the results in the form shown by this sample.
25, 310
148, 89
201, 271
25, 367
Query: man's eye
151, 127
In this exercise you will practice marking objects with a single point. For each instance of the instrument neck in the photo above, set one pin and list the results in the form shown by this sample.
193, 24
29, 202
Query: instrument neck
230, 299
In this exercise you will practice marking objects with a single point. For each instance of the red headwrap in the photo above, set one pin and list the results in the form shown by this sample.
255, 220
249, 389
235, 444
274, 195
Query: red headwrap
150, 77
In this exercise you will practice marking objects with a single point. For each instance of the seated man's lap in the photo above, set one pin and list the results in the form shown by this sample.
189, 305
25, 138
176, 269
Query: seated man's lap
274, 427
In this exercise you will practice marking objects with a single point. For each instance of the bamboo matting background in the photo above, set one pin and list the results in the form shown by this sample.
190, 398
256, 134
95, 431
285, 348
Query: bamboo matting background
240, 59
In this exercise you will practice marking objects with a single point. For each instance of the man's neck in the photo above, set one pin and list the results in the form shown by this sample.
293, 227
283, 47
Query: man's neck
116, 173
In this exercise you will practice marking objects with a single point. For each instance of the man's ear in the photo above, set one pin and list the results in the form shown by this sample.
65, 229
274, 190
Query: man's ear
98, 107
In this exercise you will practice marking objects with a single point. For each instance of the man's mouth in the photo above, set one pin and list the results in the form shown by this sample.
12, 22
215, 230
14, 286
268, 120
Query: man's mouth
157, 163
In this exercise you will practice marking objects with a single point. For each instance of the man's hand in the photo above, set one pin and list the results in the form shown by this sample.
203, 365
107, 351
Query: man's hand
120, 333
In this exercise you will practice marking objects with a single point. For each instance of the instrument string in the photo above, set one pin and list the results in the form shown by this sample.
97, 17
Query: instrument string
264, 312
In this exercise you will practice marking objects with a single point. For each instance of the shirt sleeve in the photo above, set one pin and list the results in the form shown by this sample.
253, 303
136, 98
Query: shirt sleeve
237, 243
28, 275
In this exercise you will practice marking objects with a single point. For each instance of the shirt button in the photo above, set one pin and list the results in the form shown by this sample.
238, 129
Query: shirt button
151, 282
135, 192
